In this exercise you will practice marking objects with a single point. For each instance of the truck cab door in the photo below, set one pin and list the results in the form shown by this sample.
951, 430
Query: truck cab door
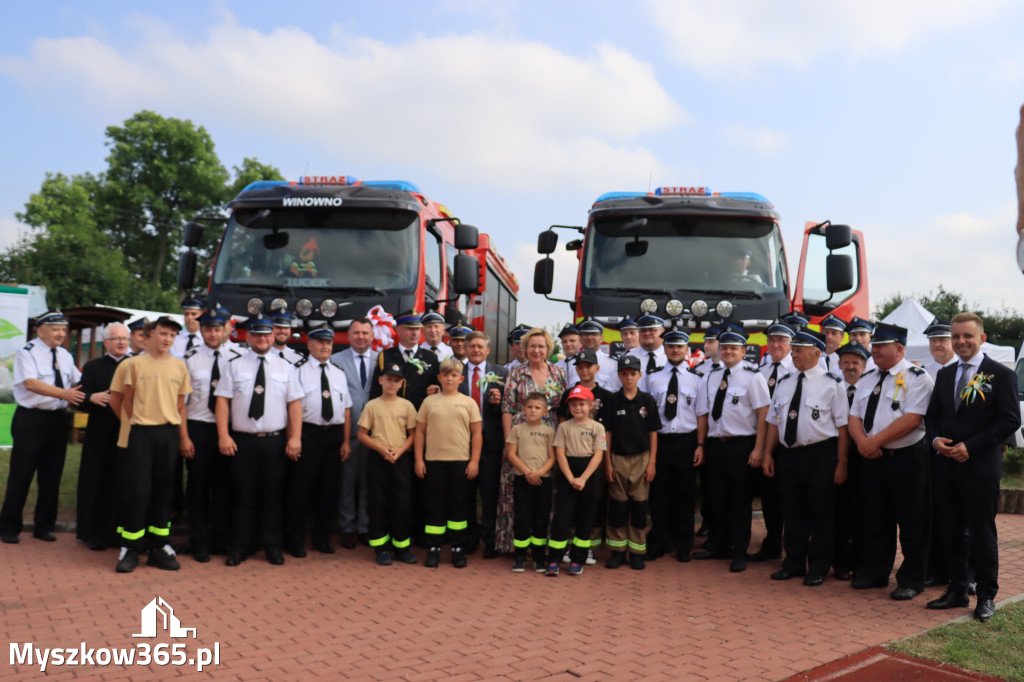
818, 263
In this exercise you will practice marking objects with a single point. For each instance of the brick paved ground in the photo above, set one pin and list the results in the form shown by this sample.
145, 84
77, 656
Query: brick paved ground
343, 616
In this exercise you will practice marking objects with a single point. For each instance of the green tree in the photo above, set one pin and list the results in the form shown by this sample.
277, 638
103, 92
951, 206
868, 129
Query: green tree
1003, 327
66, 251
251, 170
161, 172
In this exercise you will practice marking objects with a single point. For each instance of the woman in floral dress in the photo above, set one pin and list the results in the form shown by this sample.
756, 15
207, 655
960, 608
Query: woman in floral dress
536, 375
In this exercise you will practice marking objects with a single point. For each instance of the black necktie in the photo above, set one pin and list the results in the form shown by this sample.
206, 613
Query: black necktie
716, 410
408, 353
362, 371
326, 406
850, 392
652, 364
794, 412
258, 392
828, 363
433, 349
869, 415
58, 380
672, 398
773, 379
214, 378
191, 342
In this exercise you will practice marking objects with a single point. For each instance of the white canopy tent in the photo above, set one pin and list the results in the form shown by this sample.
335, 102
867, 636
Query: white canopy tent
915, 318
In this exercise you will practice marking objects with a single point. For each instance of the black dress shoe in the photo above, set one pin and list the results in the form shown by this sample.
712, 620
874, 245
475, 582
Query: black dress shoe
234, 559
201, 555
972, 589
786, 574
933, 580
274, 557
702, 532
764, 555
490, 552
984, 610
709, 554
814, 580
683, 557
348, 540
862, 583
842, 574
297, 552
904, 593
45, 536
11, 539
738, 565
97, 546
949, 600
324, 548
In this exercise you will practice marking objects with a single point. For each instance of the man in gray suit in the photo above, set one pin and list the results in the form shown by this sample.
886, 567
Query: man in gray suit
484, 383
358, 361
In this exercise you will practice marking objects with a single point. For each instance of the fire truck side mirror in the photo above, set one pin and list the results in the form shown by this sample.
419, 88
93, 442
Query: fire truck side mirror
192, 234
467, 237
187, 269
574, 245
838, 237
546, 242
467, 274
838, 272
544, 276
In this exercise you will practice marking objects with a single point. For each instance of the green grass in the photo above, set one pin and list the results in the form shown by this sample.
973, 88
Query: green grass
1012, 482
68, 483
993, 648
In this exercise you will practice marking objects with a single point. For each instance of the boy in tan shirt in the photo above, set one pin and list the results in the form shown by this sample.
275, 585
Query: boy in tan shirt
532, 455
447, 446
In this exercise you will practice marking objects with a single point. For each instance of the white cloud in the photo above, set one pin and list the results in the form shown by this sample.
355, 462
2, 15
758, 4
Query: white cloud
473, 108
760, 140
10, 231
971, 254
739, 37
533, 308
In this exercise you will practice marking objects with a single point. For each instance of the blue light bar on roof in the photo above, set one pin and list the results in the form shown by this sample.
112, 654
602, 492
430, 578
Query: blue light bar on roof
401, 185
607, 196
263, 184
745, 196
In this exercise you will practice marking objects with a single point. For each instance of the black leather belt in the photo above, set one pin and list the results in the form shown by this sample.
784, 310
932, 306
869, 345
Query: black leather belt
321, 427
892, 452
261, 434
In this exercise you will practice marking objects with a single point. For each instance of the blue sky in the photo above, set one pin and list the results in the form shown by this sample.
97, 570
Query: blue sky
895, 117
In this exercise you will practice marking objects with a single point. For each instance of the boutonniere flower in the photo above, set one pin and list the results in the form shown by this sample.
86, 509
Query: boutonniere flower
900, 383
489, 378
978, 386
420, 366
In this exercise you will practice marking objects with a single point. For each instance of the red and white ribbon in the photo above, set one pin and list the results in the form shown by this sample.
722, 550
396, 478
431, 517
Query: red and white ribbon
383, 328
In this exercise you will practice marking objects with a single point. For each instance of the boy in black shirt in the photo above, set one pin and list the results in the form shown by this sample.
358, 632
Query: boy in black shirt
631, 420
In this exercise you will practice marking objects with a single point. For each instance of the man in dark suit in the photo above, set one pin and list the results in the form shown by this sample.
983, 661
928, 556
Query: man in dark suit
973, 409
358, 361
420, 364
484, 383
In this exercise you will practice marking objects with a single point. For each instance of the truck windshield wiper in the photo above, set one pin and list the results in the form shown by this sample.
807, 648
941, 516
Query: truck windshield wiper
362, 290
740, 293
627, 291
254, 287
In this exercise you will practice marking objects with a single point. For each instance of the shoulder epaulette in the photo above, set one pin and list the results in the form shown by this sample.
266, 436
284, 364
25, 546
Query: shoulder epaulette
332, 362
917, 370
189, 353
868, 372
28, 346
833, 377
236, 352
234, 358
300, 362
694, 371
751, 369
784, 377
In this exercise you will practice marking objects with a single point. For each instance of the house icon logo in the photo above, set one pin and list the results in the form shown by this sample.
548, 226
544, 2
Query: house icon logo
158, 615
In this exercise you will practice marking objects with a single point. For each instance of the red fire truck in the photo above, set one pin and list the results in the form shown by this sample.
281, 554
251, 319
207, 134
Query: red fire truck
329, 248
705, 257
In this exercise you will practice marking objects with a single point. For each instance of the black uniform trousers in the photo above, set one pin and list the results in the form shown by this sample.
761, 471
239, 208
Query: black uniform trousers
147, 472
575, 509
726, 460
531, 510
966, 511
314, 481
847, 515
446, 503
209, 506
672, 493
257, 476
389, 498
771, 509
896, 494
40, 443
806, 477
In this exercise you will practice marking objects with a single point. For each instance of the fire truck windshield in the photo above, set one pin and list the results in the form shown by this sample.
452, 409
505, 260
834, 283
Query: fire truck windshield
685, 253
337, 248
